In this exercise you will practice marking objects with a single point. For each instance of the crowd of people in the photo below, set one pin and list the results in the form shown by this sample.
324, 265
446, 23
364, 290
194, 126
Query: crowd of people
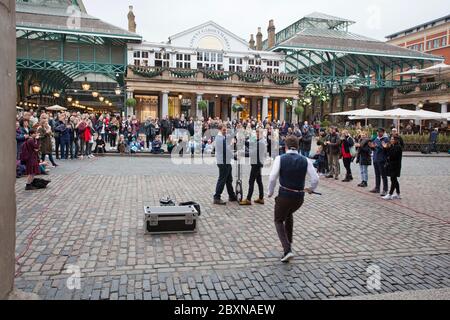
74, 135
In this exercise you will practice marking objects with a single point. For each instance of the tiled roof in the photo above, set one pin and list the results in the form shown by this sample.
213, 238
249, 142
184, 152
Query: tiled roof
341, 41
58, 18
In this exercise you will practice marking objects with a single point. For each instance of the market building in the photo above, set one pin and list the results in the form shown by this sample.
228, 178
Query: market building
208, 63
431, 92
67, 57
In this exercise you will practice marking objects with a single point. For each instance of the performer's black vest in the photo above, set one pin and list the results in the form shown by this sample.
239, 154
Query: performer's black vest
292, 175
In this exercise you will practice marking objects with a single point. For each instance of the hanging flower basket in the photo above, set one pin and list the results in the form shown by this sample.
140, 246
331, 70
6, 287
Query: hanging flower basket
131, 102
237, 108
202, 105
299, 110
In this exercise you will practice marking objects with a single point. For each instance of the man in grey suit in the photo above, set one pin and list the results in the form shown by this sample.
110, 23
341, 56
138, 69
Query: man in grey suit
224, 155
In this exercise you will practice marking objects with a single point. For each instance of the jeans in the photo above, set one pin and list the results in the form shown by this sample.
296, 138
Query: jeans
380, 173
83, 147
50, 157
333, 162
284, 219
305, 153
395, 186
255, 175
76, 143
364, 173
225, 178
65, 149
112, 139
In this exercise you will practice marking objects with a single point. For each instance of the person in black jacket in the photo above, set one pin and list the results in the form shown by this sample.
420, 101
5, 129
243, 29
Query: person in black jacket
364, 159
305, 143
394, 166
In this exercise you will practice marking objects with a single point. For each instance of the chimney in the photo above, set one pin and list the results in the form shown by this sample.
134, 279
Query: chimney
271, 35
131, 21
259, 37
251, 43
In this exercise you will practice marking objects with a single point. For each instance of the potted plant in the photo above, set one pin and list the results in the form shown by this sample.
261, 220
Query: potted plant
237, 108
202, 105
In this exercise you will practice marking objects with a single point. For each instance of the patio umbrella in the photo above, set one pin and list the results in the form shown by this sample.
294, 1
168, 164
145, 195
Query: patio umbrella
437, 69
361, 114
428, 115
56, 108
412, 72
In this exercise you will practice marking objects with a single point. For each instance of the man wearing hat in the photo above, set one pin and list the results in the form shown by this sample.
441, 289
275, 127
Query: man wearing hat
379, 162
291, 169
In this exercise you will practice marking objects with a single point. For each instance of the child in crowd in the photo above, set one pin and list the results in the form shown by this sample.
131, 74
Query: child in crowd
156, 146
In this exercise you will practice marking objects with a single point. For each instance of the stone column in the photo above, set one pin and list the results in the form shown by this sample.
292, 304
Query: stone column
444, 109
417, 122
294, 115
7, 146
165, 104
282, 110
265, 108
130, 110
199, 112
233, 102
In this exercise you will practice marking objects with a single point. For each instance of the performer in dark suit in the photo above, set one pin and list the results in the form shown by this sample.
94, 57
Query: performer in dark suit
224, 155
291, 169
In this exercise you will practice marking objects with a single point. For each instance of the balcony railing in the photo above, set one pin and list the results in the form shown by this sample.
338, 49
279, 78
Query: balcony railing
421, 88
261, 78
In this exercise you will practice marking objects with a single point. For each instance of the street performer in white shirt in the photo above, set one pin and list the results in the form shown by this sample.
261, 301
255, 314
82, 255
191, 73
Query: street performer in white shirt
291, 168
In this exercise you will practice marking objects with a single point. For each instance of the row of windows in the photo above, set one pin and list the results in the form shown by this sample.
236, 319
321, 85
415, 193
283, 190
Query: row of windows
437, 43
431, 44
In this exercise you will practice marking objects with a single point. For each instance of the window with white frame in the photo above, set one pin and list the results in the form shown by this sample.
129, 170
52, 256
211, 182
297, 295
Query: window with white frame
210, 60
183, 61
254, 65
162, 59
236, 64
140, 58
273, 66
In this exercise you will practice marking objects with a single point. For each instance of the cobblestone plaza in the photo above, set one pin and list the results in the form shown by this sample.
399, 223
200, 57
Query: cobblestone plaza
91, 217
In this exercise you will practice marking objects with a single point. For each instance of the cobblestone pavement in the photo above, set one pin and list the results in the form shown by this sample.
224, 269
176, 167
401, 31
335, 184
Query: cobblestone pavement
91, 216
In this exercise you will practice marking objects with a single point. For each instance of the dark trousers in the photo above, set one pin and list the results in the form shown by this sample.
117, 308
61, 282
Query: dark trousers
433, 148
395, 186
225, 179
284, 219
380, 173
255, 176
348, 166
50, 157
164, 135
71, 147
149, 140
57, 146
112, 139
65, 149
76, 142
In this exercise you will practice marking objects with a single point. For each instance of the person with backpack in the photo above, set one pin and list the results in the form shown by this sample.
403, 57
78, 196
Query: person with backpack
364, 159
347, 143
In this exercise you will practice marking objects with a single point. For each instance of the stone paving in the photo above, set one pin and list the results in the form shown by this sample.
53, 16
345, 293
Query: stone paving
91, 216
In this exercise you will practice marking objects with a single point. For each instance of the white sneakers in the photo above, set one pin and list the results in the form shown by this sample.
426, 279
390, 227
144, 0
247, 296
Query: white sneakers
288, 257
393, 197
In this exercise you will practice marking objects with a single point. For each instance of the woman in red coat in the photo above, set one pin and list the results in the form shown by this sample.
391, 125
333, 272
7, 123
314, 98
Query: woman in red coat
30, 158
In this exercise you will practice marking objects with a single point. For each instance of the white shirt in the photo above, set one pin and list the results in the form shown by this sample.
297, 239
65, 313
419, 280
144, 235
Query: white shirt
275, 174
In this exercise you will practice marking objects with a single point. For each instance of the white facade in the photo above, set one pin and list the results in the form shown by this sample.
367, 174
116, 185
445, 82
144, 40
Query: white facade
207, 46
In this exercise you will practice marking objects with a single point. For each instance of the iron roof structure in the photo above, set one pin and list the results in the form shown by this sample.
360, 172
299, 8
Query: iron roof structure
320, 49
59, 42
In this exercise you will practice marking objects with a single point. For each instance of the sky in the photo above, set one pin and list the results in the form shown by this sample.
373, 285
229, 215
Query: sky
158, 19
